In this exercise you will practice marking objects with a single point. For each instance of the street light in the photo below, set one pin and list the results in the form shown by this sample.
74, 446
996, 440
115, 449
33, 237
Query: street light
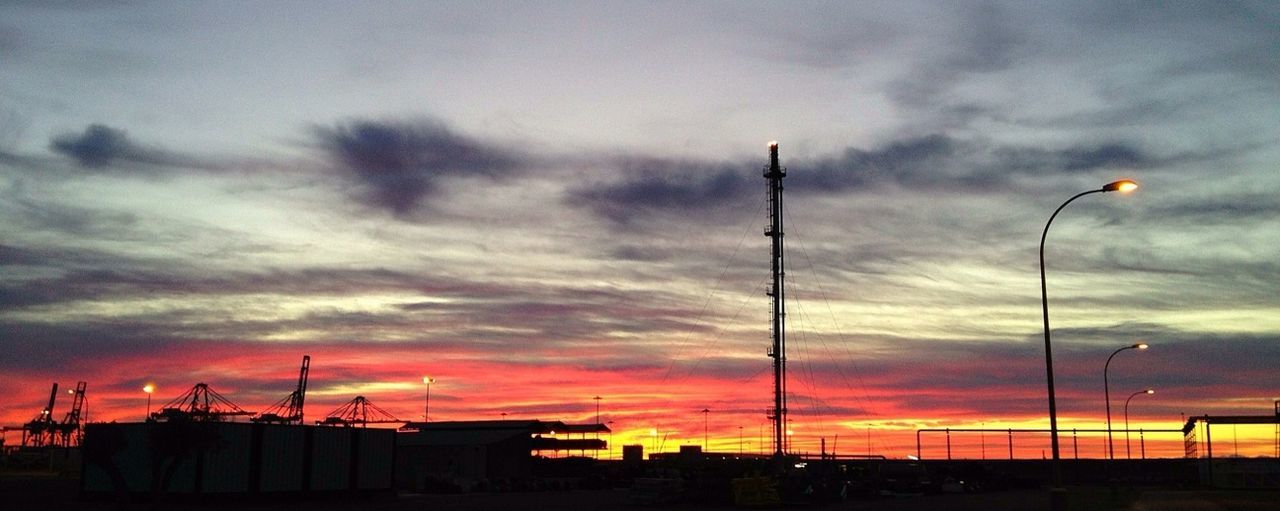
1127, 453
1120, 186
426, 411
1106, 393
597, 398
148, 388
705, 412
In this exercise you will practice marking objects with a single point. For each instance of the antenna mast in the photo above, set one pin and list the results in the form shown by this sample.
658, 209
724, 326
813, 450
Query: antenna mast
774, 173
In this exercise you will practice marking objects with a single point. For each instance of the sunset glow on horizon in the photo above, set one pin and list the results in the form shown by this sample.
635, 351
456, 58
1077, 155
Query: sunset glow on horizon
522, 219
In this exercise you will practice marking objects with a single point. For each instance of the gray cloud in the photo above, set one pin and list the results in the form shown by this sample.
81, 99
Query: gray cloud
101, 147
398, 165
1212, 210
986, 41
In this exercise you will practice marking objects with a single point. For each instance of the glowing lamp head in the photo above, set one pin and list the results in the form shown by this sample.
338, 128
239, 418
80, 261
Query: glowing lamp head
148, 388
1141, 346
653, 432
428, 380
1122, 186
1151, 391
773, 143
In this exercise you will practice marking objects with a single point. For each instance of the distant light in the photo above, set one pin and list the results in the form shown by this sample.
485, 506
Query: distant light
1141, 346
71, 391
912, 457
1151, 391
553, 432
773, 143
428, 380
801, 465
789, 432
148, 388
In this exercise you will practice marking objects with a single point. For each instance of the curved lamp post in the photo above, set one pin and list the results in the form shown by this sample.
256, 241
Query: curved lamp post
1115, 186
1106, 392
426, 410
1127, 453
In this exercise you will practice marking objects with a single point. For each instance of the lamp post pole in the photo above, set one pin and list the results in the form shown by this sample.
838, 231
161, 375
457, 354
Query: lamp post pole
1127, 453
1106, 393
597, 398
148, 388
426, 410
1122, 186
705, 414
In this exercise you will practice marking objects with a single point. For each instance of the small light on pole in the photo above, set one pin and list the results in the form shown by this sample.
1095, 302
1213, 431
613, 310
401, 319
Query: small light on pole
426, 410
1127, 453
1106, 393
148, 388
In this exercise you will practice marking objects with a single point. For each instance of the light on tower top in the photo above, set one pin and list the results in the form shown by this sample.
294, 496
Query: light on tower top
773, 143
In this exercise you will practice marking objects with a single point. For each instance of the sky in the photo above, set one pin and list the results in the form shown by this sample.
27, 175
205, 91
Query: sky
540, 203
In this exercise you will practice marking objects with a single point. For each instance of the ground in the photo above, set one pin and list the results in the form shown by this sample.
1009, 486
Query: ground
41, 491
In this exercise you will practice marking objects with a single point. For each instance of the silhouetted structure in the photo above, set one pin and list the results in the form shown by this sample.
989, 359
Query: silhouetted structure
774, 173
234, 459
1189, 429
199, 404
289, 409
457, 451
358, 411
42, 429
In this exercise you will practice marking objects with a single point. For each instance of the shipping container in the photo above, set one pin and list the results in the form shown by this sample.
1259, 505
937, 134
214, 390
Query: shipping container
283, 453
223, 458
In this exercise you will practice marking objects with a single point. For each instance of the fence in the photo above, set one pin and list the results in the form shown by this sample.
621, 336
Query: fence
1069, 447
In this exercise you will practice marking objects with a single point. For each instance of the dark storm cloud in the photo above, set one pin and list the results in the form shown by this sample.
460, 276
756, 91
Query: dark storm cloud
45, 347
653, 186
1074, 159
656, 185
101, 148
398, 165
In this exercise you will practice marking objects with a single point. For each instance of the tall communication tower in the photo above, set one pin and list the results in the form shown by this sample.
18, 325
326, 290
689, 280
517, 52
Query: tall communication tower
774, 174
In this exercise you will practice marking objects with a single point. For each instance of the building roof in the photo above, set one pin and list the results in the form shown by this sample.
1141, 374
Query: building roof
532, 427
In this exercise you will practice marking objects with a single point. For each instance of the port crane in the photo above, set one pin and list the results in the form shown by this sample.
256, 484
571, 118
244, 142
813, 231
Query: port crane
200, 404
358, 411
40, 431
289, 409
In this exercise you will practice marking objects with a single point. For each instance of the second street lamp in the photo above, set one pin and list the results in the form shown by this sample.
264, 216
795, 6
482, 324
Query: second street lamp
1115, 186
148, 388
1106, 393
426, 410
1127, 453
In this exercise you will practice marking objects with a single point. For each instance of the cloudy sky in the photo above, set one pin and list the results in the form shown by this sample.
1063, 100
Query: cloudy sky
539, 204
